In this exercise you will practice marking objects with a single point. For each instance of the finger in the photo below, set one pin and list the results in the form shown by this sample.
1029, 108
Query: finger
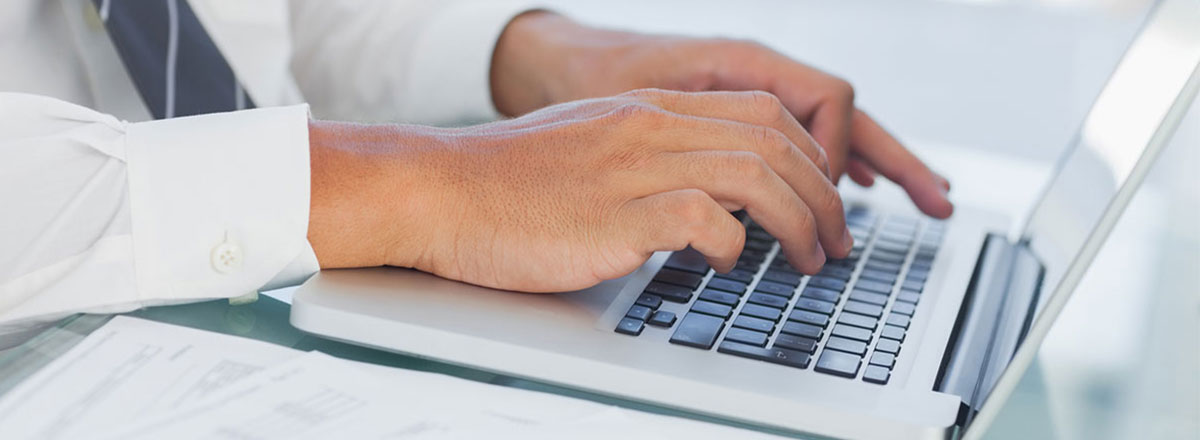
884, 153
679, 133
831, 123
673, 220
860, 172
743, 180
751, 107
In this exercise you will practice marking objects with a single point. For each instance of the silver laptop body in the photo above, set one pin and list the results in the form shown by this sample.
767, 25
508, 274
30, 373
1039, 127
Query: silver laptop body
972, 303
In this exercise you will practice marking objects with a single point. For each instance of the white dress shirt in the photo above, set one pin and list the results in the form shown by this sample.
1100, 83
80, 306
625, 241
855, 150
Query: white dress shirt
102, 210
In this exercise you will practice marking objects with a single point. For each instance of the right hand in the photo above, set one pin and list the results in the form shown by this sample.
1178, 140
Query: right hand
574, 194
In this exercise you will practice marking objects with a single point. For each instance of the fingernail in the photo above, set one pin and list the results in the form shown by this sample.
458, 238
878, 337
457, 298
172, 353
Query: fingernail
847, 240
819, 255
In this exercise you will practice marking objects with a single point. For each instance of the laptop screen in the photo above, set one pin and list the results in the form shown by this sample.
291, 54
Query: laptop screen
1129, 124
1131, 120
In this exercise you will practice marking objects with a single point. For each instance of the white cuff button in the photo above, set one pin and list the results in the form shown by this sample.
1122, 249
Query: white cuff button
226, 257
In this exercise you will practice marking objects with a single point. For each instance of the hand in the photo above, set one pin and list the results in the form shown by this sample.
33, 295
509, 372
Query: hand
543, 58
574, 194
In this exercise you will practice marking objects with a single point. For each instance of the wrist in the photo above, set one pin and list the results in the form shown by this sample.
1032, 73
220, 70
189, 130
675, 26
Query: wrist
371, 203
543, 58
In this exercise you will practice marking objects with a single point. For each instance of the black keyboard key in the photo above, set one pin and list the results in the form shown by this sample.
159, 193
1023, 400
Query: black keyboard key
752, 323
878, 299
778, 302
739, 275
639, 312
857, 320
801, 329
746, 337
908, 296
848, 332
873, 286
838, 364
798, 343
783, 277
764, 312
847, 345
841, 273
679, 278
727, 285
820, 294
917, 274
775, 355
893, 332
775, 288
882, 266
687, 260
698, 330
827, 283
888, 346
876, 374
878, 275
888, 246
904, 308
630, 326
807, 317
783, 266
813, 305
748, 266
670, 292
710, 308
916, 285
885, 360
898, 320
896, 238
753, 255
863, 308
845, 263
720, 297
759, 234
758, 245
649, 300
662, 318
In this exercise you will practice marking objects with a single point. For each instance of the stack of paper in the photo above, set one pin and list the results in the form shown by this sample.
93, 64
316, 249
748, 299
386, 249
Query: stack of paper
141, 379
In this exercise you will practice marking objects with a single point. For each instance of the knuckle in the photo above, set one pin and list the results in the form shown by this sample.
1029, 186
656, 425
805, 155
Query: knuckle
750, 166
770, 141
643, 94
843, 90
822, 158
764, 106
633, 113
831, 202
692, 209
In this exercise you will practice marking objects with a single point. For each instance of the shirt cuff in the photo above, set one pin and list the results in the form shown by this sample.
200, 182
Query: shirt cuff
219, 203
451, 61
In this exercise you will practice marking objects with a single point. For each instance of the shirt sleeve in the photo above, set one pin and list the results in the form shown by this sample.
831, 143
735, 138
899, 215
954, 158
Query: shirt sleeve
384, 60
108, 216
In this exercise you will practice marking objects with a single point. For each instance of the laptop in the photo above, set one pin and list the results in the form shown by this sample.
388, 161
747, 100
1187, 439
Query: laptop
922, 332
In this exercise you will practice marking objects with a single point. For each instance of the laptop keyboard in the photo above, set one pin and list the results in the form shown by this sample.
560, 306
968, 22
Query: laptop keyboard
849, 320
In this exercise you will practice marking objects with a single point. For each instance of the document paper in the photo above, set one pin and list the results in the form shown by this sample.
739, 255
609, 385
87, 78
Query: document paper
127, 370
134, 378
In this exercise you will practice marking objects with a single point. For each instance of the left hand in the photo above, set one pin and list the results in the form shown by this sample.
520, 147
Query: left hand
543, 58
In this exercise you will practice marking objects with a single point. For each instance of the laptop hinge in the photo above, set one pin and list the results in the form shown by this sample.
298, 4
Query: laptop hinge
993, 319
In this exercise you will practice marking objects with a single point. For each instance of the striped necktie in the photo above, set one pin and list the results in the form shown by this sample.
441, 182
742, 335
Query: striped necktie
175, 65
